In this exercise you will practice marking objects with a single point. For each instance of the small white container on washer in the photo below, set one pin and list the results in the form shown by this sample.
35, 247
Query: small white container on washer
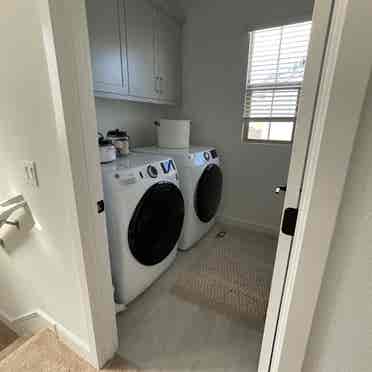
173, 134
107, 150
107, 153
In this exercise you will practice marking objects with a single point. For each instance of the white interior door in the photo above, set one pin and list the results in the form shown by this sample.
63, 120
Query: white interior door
321, 20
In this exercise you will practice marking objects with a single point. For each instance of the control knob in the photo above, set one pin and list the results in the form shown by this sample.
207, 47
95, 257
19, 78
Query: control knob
152, 171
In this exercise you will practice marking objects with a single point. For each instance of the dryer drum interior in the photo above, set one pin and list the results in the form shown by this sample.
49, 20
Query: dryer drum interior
156, 224
208, 193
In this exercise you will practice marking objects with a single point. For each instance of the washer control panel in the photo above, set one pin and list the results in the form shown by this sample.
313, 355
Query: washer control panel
159, 169
126, 173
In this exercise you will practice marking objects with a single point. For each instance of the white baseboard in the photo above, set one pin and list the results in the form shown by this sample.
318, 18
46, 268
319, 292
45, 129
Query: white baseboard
34, 321
272, 231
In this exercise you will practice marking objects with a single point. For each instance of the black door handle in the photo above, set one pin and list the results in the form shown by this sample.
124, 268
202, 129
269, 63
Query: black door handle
100, 206
282, 188
289, 221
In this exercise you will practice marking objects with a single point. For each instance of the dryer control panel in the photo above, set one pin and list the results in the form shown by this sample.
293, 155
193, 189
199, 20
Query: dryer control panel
204, 157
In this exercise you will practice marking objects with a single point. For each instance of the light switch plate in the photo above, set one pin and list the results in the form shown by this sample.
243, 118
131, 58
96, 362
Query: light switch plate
30, 172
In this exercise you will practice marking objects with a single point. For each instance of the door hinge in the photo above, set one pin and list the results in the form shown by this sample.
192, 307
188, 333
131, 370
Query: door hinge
289, 221
100, 206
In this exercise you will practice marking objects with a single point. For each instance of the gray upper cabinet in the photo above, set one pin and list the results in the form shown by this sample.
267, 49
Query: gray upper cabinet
141, 48
108, 49
168, 41
135, 50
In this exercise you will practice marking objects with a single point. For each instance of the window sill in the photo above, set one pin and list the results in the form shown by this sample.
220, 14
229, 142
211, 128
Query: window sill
266, 142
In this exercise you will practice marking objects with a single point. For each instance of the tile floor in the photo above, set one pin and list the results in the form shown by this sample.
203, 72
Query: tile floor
161, 331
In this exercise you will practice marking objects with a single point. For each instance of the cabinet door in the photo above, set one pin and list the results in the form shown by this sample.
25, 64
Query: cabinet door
108, 49
140, 16
168, 57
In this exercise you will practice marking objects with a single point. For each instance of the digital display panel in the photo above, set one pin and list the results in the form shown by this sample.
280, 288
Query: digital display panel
199, 159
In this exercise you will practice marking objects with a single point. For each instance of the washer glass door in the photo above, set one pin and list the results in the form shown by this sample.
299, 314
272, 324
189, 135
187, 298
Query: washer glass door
208, 193
156, 224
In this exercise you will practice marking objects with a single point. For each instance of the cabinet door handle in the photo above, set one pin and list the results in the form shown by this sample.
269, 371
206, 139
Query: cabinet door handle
160, 85
156, 79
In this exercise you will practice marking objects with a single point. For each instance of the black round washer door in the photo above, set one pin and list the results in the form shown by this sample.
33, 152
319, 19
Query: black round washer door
156, 224
208, 193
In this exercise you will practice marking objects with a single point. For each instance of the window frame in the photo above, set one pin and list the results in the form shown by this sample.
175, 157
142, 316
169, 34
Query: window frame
247, 87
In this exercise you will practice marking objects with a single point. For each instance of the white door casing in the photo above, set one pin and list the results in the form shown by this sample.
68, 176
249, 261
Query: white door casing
321, 18
70, 36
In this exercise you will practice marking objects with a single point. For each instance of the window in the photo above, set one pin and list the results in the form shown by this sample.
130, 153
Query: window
276, 65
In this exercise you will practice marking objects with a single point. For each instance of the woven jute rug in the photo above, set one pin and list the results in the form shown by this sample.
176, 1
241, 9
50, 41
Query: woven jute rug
229, 279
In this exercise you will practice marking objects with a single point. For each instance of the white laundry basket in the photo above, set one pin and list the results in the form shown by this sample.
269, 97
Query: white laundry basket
173, 134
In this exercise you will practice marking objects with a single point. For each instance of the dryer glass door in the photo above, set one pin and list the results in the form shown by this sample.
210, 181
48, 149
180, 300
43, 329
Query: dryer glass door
156, 224
208, 193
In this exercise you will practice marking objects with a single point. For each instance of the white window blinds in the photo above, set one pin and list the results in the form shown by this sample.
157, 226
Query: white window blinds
276, 65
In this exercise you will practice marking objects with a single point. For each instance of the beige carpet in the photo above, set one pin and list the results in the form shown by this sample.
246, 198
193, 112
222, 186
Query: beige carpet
7, 336
229, 278
44, 353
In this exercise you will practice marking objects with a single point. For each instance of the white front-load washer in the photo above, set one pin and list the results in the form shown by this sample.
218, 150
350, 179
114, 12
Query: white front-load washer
145, 214
201, 184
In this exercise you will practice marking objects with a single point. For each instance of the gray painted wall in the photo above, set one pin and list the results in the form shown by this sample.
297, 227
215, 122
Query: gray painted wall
341, 337
136, 118
215, 56
41, 272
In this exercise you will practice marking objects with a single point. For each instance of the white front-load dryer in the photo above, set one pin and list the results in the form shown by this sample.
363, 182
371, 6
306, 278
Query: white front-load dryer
145, 214
201, 184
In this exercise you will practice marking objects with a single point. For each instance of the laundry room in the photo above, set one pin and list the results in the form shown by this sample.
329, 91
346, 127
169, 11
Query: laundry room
196, 105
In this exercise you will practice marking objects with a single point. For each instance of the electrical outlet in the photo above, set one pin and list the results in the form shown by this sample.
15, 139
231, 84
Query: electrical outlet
30, 172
